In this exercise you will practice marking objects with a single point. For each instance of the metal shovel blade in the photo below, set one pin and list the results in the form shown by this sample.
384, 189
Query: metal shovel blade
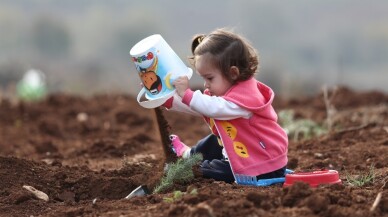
139, 191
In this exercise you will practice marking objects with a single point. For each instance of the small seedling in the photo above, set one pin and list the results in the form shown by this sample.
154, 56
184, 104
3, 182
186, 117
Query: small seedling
177, 195
362, 179
194, 191
178, 172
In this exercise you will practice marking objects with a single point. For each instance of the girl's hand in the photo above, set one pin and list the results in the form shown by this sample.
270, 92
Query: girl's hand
181, 85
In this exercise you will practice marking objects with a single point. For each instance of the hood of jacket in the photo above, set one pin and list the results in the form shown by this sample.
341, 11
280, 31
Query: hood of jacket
253, 96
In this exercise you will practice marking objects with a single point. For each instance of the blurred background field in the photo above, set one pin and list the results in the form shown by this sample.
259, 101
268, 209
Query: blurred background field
83, 46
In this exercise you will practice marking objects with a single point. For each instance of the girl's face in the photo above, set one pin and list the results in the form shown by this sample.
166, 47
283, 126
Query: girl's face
214, 80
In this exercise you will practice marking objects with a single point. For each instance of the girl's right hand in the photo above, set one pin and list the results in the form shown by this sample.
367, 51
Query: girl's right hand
181, 85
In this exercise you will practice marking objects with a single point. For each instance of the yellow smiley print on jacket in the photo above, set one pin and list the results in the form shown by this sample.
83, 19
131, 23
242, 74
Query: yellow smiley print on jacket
229, 129
240, 149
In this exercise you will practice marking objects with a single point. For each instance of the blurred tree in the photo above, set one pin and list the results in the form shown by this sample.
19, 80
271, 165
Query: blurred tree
51, 38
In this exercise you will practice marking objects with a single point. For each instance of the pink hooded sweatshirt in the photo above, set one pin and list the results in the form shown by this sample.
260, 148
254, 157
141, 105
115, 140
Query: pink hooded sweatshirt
257, 145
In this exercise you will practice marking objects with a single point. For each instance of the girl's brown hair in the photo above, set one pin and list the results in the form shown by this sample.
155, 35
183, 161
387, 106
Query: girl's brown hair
227, 49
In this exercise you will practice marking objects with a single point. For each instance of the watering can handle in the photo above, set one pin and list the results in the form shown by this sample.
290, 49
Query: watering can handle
154, 102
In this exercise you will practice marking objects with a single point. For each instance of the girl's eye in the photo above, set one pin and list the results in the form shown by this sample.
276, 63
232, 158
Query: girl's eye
211, 78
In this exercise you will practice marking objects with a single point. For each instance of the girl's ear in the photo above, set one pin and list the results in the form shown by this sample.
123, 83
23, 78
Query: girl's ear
234, 72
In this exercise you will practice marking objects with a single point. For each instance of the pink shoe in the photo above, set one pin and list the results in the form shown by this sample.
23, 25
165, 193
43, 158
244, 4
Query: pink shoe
177, 146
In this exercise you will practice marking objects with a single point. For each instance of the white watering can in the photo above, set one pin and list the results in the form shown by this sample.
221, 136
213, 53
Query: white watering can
158, 66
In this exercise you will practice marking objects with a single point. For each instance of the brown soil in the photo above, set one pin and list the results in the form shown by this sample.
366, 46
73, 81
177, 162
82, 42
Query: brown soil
87, 154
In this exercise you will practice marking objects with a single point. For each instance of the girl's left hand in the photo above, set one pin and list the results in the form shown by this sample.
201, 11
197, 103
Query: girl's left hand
181, 85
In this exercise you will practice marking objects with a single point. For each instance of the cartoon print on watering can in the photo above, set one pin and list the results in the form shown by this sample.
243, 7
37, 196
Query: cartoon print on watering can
149, 72
147, 66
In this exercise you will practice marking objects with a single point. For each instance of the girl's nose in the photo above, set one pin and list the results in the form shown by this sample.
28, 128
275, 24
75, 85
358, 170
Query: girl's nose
205, 84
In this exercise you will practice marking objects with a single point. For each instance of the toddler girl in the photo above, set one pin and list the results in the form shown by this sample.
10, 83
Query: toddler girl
246, 138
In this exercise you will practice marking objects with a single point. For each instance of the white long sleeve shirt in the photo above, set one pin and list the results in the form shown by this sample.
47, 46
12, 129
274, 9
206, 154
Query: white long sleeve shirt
210, 106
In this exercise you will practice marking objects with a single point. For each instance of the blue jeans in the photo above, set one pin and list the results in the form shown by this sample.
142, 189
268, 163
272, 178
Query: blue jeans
214, 166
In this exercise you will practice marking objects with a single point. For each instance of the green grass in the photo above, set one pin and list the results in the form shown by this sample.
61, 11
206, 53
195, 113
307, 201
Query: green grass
299, 128
362, 179
177, 195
